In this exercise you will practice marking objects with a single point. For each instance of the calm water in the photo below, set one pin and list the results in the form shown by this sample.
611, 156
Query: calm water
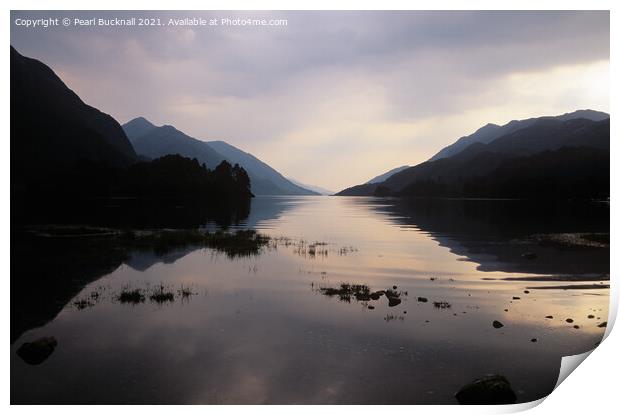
260, 329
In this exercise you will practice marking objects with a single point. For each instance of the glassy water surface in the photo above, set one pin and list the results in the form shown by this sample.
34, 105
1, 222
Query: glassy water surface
279, 327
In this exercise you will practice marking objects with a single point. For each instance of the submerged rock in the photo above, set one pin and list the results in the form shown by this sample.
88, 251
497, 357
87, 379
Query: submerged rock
497, 324
422, 299
489, 390
35, 353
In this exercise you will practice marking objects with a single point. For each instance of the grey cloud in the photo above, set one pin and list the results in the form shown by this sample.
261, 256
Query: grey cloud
256, 86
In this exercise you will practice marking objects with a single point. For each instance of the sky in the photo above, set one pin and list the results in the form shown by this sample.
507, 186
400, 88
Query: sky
331, 98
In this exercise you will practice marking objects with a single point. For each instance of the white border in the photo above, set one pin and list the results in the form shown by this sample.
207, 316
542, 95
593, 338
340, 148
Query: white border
590, 390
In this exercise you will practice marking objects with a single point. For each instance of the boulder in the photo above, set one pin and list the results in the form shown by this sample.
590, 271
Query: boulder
36, 352
489, 390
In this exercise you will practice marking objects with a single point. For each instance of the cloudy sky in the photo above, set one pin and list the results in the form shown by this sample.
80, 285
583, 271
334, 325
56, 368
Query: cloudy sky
332, 98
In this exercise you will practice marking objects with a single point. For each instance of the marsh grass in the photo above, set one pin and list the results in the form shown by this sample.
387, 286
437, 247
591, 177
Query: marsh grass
361, 292
128, 296
243, 243
161, 295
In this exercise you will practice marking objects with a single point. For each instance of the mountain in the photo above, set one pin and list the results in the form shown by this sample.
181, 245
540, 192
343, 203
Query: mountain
265, 179
51, 125
152, 141
512, 165
137, 128
490, 132
318, 189
161, 141
383, 177
77, 163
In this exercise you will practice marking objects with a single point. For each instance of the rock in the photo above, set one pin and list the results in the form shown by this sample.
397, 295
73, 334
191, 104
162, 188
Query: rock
590, 316
405, 312
526, 291
529, 255
516, 298
534, 340
394, 287
489, 390
422, 299
393, 301
497, 324
548, 316
376, 295
569, 320
575, 326
371, 307
603, 324
36, 352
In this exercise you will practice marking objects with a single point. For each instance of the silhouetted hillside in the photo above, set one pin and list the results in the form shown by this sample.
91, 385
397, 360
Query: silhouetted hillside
513, 166
491, 132
383, 177
152, 142
265, 179
52, 127
161, 141
68, 159
136, 128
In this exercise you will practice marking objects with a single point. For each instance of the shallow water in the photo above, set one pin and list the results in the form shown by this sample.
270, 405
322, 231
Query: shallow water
259, 329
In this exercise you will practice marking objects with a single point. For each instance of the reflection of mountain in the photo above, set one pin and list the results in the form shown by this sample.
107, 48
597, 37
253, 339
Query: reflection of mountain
267, 208
496, 234
47, 272
143, 260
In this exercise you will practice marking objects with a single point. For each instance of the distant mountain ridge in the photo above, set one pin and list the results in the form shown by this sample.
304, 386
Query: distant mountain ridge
492, 168
383, 177
152, 141
490, 131
320, 190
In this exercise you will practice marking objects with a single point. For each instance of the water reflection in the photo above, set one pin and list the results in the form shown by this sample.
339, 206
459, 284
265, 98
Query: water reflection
510, 235
263, 329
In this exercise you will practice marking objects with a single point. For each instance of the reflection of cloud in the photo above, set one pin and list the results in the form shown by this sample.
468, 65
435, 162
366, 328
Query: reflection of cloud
365, 91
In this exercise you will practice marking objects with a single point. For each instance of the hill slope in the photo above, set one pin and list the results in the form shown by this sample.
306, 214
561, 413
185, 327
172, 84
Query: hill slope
491, 132
478, 170
152, 142
51, 125
383, 177
266, 180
